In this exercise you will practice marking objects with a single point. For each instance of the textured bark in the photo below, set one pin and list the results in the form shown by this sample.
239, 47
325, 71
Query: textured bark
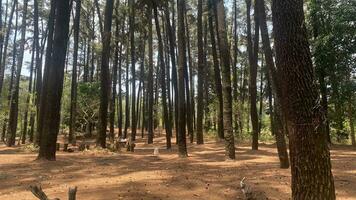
217, 73
201, 74
73, 94
310, 157
253, 58
41, 88
2, 70
273, 89
150, 78
163, 80
127, 99
54, 83
226, 81
104, 75
133, 70
182, 60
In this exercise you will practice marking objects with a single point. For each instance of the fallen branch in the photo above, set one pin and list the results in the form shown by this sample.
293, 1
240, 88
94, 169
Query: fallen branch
39, 193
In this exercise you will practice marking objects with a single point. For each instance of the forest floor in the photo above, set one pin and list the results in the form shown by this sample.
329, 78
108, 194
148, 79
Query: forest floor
205, 175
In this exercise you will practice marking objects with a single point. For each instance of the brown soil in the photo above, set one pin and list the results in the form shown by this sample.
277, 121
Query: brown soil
140, 175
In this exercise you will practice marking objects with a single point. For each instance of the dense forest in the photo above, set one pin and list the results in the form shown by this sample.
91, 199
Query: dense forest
176, 77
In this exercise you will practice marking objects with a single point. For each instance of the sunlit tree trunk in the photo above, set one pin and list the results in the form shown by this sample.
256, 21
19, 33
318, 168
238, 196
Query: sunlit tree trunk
226, 81
309, 152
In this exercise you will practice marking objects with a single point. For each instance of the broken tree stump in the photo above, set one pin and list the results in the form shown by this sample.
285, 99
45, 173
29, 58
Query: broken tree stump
65, 147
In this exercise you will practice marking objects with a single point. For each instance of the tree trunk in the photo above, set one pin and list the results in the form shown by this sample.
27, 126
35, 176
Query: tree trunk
104, 75
201, 74
226, 81
310, 157
253, 58
150, 78
54, 83
7, 37
273, 87
14, 102
182, 60
73, 96
133, 70
217, 73
163, 80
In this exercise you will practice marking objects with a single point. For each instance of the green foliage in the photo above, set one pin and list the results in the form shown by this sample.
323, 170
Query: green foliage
88, 102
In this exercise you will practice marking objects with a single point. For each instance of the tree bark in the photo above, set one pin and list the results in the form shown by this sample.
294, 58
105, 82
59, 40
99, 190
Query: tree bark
253, 59
104, 75
163, 80
226, 81
182, 60
273, 89
201, 74
217, 73
54, 83
73, 96
310, 157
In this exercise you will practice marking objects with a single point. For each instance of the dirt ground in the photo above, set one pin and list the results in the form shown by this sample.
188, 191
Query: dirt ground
140, 175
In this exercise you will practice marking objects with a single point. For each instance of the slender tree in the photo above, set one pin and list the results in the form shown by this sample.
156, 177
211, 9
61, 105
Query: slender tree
73, 94
182, 60
104, 75
226, 81
201, 74
217, 73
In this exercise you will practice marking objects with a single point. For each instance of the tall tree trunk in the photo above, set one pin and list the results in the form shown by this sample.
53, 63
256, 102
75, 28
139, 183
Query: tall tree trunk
73, 94
54, 82
40, 101
253, 58
150, 78
226, 81
201, 74
133, 70
28, 98
14, 102
172, 43
127, 95
114, 75
182, 60
217, 73
163, 80
4, 53
104, 75
273, 88
188, 73
310, 157
2, 69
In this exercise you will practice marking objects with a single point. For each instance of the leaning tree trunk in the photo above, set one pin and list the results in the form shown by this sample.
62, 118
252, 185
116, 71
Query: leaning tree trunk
226, 81
163, 80
217, 73
73, 94
182, 61
54, 83
273, 88
104, 75
309, 152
